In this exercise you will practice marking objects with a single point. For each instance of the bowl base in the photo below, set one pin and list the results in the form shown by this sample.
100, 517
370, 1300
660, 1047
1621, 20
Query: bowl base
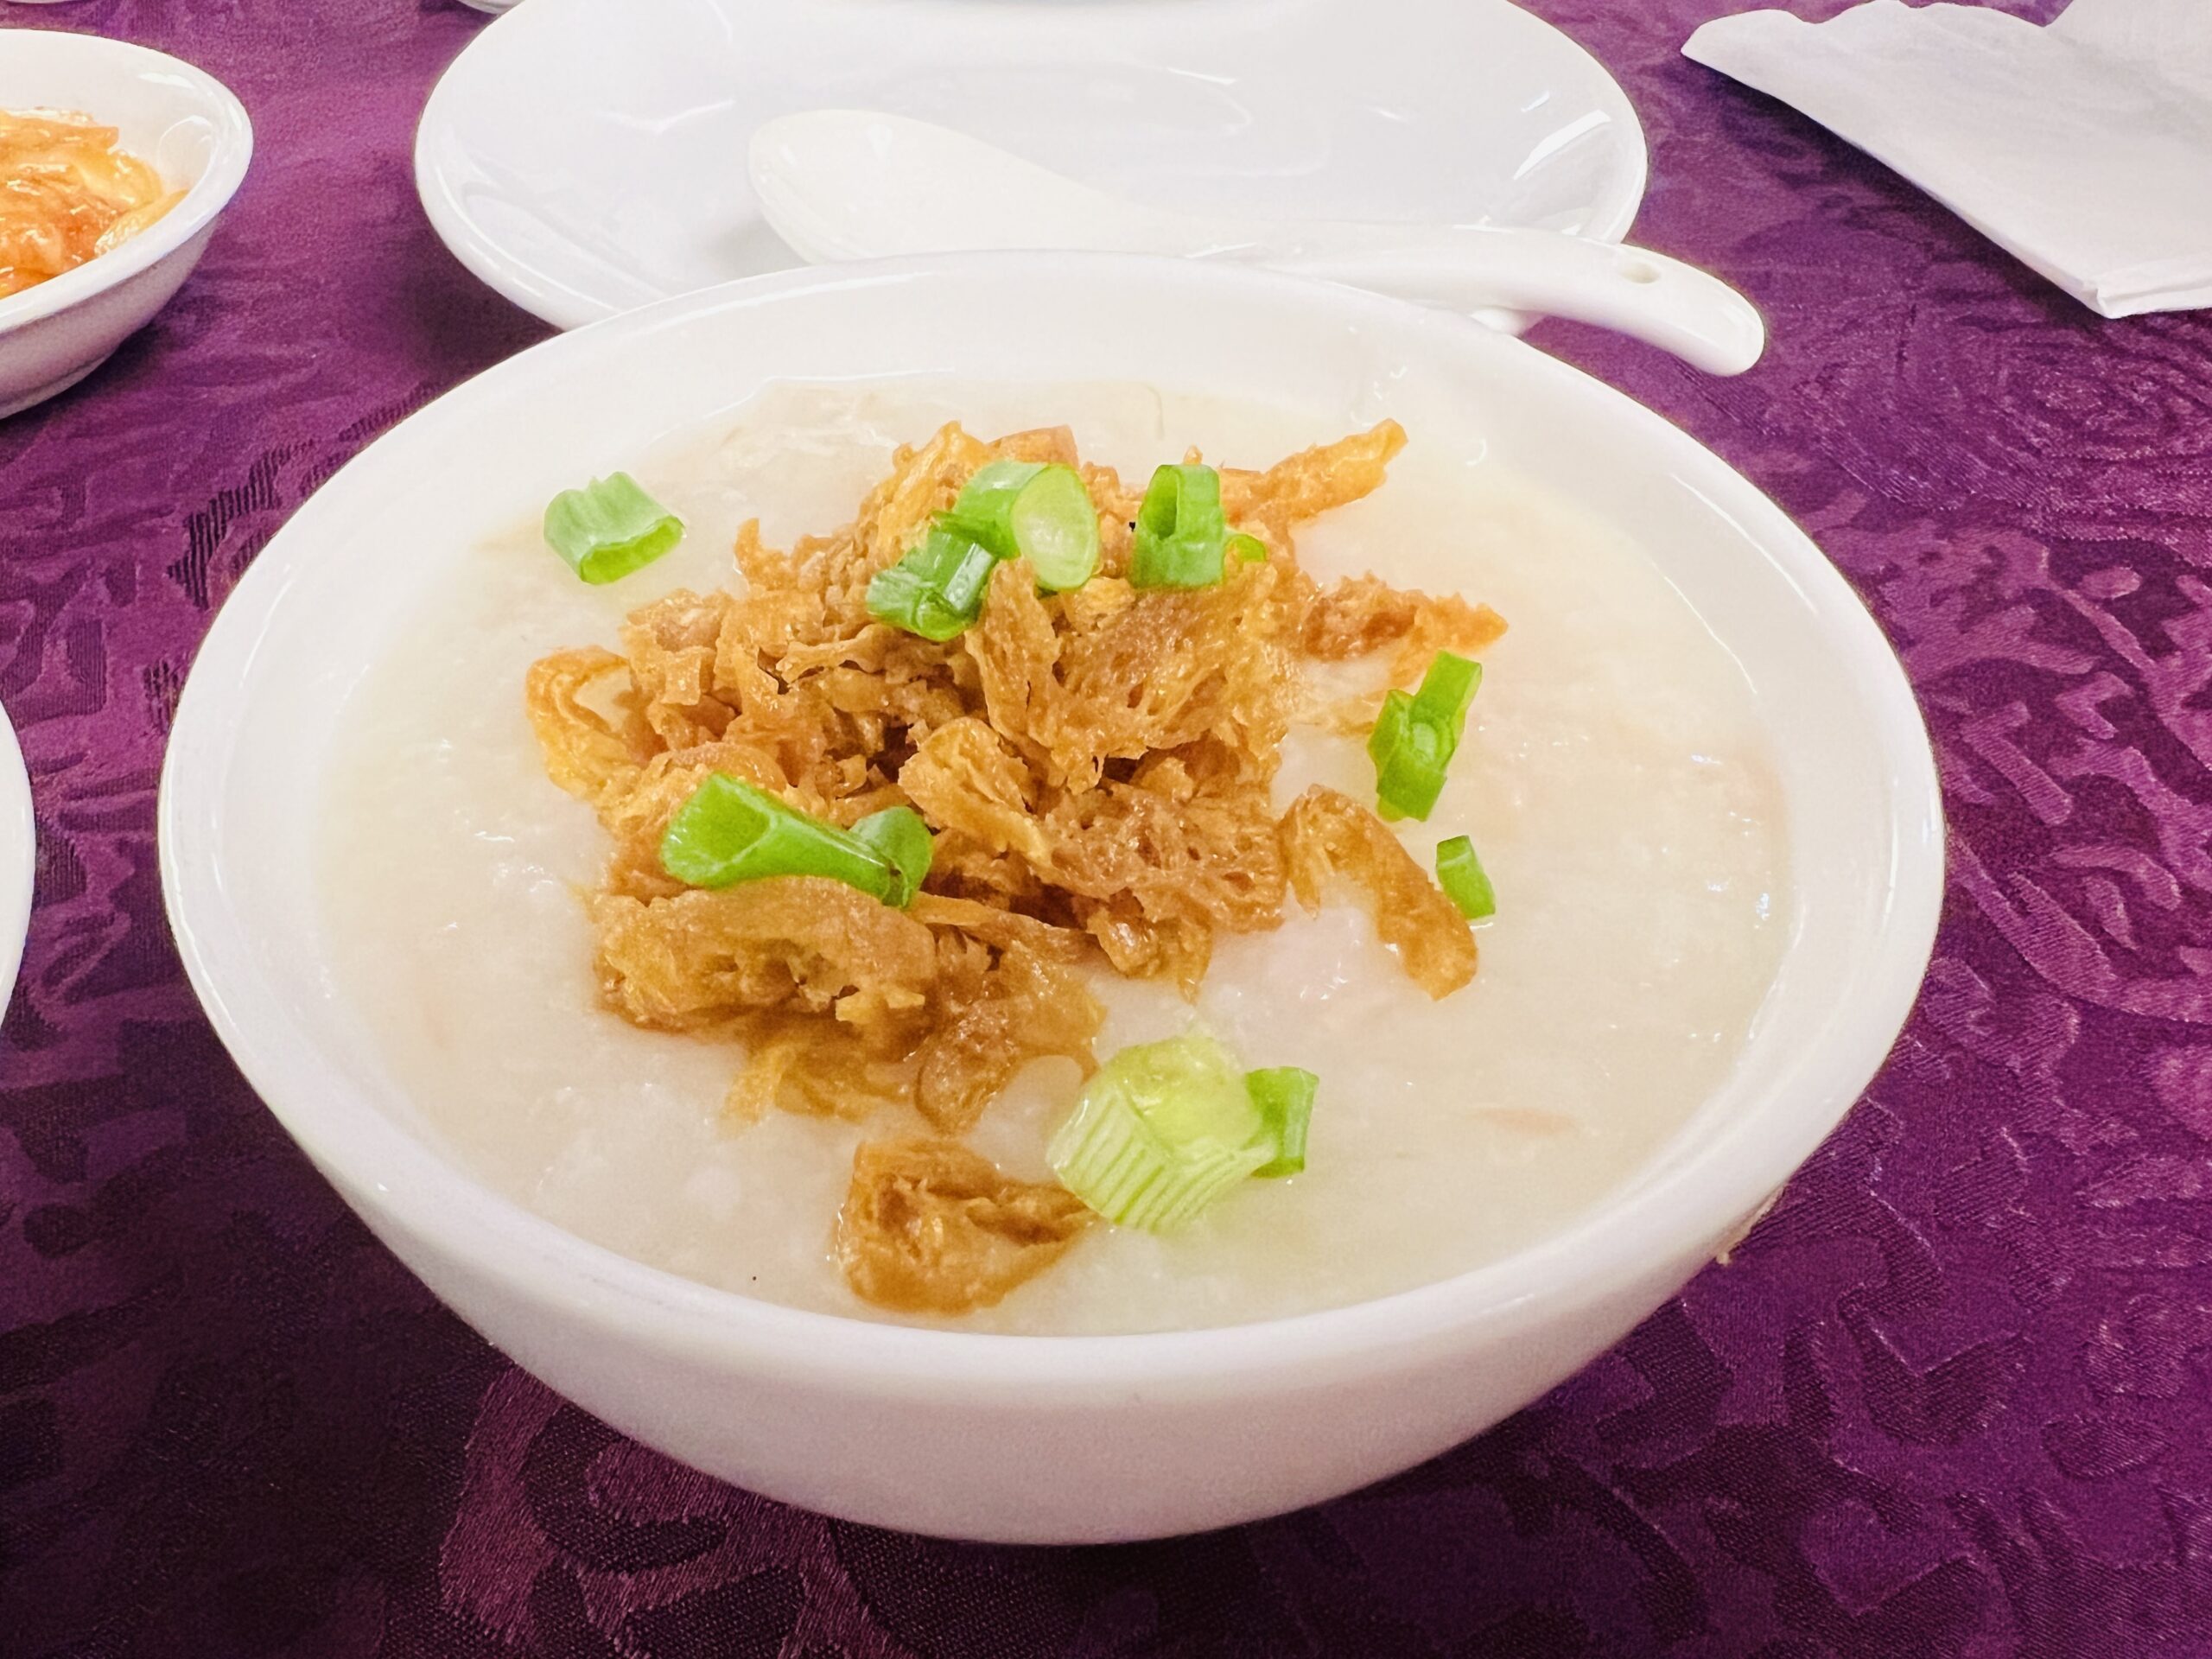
52, 388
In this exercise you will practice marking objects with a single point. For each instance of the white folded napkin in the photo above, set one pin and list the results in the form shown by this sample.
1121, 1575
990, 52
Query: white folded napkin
2084, 148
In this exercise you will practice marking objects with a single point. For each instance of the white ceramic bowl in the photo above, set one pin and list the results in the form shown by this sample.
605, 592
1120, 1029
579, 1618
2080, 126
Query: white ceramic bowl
196, 135
1018, 1438
587, 157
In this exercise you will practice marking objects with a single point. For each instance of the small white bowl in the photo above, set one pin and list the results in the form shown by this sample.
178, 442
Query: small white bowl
186, 124
1039, 1439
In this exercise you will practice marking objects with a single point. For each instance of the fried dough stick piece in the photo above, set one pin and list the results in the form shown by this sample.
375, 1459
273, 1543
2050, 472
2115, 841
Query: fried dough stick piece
1327, 835
801, 943
929, 1227
1023, 1007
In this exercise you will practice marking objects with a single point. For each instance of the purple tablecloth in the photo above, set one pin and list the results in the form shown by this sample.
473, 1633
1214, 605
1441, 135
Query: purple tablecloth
1954, 1397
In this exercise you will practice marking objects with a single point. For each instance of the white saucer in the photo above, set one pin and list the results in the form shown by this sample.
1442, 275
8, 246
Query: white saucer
587, 157
19, 858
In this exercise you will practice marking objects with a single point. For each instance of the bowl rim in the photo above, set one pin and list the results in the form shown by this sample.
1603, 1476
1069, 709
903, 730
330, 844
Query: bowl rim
206, 197
18, 857
1681, 1209
545, 296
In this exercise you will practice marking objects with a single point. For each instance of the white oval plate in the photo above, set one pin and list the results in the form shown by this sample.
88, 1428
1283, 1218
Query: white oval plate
587, 157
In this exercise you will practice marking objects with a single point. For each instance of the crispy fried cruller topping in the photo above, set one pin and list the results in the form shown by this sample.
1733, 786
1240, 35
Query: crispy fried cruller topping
933, 1228
1097, 766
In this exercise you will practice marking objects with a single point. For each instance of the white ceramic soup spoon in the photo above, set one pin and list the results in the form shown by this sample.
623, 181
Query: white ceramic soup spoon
858, 184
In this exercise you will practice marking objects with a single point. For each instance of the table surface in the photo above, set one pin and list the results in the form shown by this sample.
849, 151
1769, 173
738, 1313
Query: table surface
1954, 1397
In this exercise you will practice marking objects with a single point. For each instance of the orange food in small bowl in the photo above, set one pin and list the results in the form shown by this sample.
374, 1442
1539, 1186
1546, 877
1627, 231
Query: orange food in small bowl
68, 194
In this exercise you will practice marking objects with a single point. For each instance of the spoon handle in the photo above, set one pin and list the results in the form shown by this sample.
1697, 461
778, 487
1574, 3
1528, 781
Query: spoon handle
1675, 307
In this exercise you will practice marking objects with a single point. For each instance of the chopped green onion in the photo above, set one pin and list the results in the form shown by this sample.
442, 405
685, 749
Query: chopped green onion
1160, 1132
1415, 737
1464, 882
898, 837
609, 528
1250, 549
731, 831
1035, 511
1447, 690
1056, 527
936, 590
985, 508
1409, 754
1180, 534
1164, 1130
1284, 1094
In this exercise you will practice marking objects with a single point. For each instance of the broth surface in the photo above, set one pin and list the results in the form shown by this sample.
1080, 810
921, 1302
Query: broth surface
1613, 778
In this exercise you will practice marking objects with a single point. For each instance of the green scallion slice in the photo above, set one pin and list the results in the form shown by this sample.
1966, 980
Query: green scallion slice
1409, 753
1415, 736
1250, 549
985, 508
1181, 535
1164, 1130
1284, 1094
1446, 690
1464, 882
609, 528
1036, 511
898, 837
936, 590
731, 831
1160, 1132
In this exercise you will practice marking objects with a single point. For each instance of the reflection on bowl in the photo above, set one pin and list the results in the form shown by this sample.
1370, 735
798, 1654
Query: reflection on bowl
1040, 1438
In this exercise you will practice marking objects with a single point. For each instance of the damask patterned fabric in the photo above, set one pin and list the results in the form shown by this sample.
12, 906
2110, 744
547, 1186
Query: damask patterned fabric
1953, 1398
